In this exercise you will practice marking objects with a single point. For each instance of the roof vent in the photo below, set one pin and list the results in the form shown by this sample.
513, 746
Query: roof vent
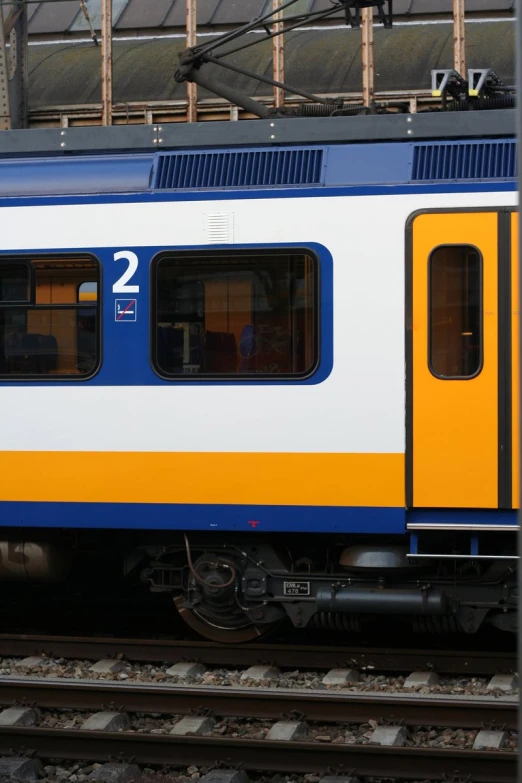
243, 168
464, 160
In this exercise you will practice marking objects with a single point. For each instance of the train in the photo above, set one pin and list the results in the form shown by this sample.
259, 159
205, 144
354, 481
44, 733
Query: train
271, 366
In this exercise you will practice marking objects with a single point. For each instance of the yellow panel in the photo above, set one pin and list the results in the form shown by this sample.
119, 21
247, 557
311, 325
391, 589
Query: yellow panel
43, 290
455, 422
231, 478
515, 358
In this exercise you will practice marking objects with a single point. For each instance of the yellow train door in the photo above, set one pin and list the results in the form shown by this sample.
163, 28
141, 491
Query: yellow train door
456, 454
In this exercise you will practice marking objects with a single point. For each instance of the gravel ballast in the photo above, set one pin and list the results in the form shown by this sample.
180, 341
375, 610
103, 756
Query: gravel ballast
369, 681
253, 729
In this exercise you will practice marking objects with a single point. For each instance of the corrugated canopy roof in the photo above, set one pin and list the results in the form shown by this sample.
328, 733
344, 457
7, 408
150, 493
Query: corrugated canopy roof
64, 17
322, 61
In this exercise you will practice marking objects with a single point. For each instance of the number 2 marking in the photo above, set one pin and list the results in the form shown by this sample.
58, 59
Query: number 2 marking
121, 286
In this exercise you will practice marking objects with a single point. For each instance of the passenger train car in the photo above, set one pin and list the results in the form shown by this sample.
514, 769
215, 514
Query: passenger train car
271, 365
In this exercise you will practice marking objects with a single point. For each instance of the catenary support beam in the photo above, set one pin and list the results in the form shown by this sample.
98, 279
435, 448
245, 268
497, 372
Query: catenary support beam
278, 54
106, 24
459, 37
192, 88
367, 56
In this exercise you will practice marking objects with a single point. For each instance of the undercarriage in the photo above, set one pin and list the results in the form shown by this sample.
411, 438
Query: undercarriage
236, 590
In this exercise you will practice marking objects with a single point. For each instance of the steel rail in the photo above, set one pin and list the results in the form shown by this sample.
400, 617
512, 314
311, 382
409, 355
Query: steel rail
284, 655
261, 755
321, 706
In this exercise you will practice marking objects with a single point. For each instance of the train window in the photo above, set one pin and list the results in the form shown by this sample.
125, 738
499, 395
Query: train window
455, 320
56, 333
236, 314
15, 282
88, 292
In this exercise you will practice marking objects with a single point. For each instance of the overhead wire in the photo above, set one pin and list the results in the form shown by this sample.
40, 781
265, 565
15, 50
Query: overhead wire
88, 20
264, 21
191, 60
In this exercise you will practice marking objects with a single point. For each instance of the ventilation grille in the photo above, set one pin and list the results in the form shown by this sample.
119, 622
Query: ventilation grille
218, 227
465, 160
244, 168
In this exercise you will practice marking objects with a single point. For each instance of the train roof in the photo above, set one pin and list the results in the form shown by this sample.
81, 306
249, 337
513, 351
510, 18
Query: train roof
280, 153
423, 126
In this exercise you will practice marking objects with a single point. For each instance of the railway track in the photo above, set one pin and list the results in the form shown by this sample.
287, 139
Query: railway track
285, 655
408, 763
326, 706
341, 710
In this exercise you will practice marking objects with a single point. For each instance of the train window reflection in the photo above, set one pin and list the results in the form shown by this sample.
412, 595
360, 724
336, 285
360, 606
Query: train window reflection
455, 311
15, 282
56, 334
239, 314
88, 292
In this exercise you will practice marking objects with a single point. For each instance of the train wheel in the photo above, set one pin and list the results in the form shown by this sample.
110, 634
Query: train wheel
212, 604
224, 634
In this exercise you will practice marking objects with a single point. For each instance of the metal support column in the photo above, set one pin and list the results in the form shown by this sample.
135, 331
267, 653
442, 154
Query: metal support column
106, 36
5, 104
278, 54
13, 67
192, 88
459, 37
22, 66
367, 55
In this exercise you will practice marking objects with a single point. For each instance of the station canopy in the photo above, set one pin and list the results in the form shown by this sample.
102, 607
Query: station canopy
64, 63
54, 17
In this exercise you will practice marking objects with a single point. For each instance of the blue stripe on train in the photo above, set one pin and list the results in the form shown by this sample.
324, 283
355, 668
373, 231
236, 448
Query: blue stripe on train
164, 516
463, 516
282, 519
239, 194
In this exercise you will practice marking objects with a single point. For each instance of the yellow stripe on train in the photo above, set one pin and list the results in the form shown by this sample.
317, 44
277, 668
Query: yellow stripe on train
226, 478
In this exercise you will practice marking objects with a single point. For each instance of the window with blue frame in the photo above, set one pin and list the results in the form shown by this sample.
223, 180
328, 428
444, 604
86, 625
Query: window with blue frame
232, 314
49, 317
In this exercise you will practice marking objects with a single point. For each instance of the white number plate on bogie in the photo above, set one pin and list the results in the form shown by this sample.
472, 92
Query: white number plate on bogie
296, 588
